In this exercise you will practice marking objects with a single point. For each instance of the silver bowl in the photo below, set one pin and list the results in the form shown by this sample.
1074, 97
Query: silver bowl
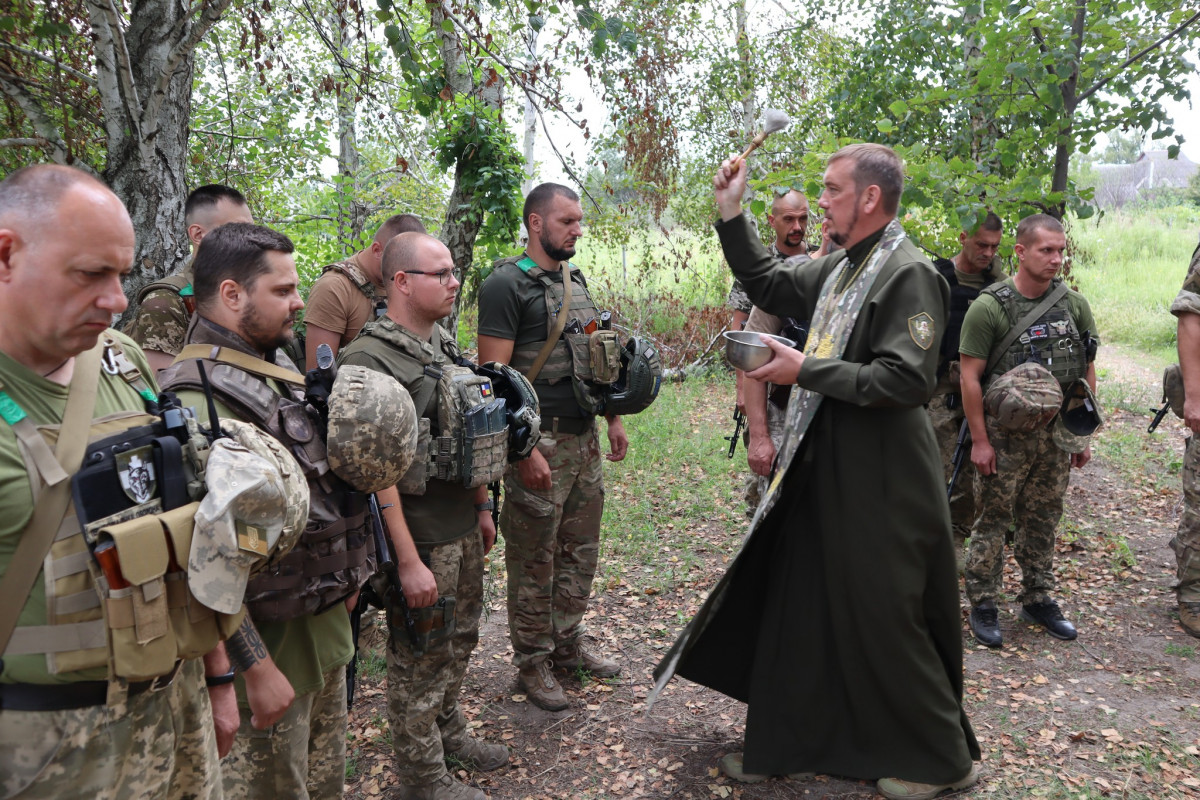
746, 351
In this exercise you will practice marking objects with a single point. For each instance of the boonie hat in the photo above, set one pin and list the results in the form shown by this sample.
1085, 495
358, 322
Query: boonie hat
372, 428
256, 507
1024, 399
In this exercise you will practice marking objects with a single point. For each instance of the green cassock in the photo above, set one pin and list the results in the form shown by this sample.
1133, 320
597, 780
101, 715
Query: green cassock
838, 623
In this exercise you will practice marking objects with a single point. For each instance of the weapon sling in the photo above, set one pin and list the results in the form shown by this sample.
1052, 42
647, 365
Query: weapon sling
560, 322
52, 502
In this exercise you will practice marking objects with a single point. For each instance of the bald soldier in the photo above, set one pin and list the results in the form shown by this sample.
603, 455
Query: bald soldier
165, 307
351, 293
68, 727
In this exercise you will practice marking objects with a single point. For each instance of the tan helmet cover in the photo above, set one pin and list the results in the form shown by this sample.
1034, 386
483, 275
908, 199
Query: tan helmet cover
372, 428
255, 508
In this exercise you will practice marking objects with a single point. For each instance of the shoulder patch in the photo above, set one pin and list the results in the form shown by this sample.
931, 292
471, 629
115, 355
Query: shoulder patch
920, 328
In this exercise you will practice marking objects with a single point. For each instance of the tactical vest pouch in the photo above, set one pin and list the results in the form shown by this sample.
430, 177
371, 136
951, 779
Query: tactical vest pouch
473, 443
193, 623
605, 353
136, 612
413, 481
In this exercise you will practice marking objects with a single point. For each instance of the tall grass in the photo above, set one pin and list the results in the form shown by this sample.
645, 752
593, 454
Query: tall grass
1130, 265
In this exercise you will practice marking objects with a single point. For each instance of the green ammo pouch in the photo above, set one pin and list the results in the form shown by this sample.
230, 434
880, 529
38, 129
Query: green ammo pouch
1173, 393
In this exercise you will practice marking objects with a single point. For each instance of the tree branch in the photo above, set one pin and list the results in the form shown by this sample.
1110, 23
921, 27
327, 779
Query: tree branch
112, 75
210, 15
74, 73
38, 118
22, 142
1098, 85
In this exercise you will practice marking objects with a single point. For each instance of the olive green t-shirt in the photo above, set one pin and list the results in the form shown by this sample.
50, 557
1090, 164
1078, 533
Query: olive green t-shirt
304, 648
512, 305
986, 322
447, 509
44, 401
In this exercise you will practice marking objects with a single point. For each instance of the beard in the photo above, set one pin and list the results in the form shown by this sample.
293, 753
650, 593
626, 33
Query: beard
557, 253
839, 237
264, 338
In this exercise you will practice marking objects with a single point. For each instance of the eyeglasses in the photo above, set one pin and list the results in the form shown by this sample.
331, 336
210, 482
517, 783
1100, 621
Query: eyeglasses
443, 275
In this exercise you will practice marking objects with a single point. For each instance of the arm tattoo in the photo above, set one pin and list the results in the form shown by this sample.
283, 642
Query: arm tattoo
245, 648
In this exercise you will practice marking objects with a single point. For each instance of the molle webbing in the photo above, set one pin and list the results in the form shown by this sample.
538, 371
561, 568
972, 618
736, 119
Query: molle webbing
561, 363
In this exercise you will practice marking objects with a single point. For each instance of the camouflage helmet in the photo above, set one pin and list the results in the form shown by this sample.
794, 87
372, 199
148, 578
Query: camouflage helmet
1173, 389
1078, 418
522, 407
255, 509
639, 381
372, 428
1024, 399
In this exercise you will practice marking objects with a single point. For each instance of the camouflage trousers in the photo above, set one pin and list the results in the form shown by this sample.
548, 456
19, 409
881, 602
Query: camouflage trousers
946, 424
422, 693
1186, 543
1027, 491
159, 744
552, 546
301, 756
756, 485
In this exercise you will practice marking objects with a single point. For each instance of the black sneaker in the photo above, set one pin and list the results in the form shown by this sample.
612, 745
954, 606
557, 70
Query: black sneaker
985, 624
1049, 616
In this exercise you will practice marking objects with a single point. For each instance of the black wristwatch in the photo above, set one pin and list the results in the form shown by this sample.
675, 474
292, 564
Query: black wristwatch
486, 505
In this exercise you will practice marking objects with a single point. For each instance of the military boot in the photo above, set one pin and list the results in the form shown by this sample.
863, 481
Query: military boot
1189, 617
1049, 616
444, 788
897, 789
572, 656
541, 688
985, 624
479, 755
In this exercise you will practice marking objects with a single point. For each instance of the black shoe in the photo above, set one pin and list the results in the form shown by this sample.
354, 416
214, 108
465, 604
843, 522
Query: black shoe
985, 624
1049, 616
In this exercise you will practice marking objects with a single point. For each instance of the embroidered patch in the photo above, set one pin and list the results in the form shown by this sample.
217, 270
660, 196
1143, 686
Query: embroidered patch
135, 468
920, 328
251, 538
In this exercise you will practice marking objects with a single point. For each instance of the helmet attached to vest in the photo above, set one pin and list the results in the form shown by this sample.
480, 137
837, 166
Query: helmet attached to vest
372, 428
639, 381
1024, 399
1078, 418
523, 409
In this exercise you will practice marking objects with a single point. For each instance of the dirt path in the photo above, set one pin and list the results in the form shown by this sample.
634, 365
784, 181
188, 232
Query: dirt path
1114, 714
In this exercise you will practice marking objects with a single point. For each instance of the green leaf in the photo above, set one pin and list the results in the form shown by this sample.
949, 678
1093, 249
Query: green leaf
536, 22
898, 108
885, 125
758, 206
448, 26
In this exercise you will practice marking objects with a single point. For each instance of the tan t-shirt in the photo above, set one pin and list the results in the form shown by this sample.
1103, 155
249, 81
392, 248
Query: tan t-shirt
336, 304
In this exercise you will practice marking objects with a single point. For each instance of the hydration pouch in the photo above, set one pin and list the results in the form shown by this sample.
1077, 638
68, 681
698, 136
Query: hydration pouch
135, 609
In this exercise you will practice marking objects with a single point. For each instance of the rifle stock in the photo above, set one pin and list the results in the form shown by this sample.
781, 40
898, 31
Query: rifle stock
739, 422
960, 455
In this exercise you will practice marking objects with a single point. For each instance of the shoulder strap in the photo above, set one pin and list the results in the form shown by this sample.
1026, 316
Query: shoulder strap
560, 322
243, 361
51, 504
433, 374
1033, 316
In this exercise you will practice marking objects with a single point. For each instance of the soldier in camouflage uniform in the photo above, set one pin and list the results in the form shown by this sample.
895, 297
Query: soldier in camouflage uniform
65, 243
1186, 543
441, 534
551, 518
1021, 476
166, 306
765, 405
247, 294
974, 268
350, 293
